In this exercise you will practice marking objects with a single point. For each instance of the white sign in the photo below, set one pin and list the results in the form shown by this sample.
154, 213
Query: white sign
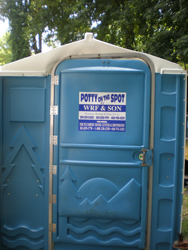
102, 111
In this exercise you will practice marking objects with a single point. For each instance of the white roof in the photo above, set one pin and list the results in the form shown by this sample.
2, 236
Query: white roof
43, 63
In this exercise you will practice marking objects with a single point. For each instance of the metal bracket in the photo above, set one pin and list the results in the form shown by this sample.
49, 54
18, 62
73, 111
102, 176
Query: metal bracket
52, 199
52, 227
55, 80
53, 110
53, 139
173, 71
147, 157
53, 169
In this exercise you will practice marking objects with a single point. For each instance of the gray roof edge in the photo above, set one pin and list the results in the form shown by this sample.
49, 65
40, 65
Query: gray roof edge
43, 63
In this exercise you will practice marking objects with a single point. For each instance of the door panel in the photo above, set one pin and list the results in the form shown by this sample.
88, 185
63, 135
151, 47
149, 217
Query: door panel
77, 81
101, 186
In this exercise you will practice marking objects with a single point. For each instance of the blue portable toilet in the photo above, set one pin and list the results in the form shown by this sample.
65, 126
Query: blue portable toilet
91, 149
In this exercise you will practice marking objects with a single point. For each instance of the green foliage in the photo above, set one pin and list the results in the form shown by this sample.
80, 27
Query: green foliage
19, 38
26, 26
185, 214
169, 36
66, 20
156, 27
5, 51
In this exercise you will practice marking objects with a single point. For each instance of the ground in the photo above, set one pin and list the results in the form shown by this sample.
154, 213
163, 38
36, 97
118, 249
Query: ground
185, 213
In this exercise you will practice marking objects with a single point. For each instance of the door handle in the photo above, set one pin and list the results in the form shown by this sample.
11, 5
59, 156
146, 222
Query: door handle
146, 157
144, 164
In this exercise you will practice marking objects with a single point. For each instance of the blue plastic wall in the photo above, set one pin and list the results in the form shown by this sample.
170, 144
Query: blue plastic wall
24, 160
168, 160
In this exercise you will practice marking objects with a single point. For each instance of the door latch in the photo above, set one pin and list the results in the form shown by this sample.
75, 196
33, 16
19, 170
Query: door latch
146, 157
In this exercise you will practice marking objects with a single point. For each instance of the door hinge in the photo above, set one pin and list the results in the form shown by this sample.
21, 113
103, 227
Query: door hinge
146, 157
52, 198
53, 139
53, 169
52, 227
53, 110
55, 80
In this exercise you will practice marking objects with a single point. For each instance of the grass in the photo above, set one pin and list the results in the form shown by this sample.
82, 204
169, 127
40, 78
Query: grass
185, 213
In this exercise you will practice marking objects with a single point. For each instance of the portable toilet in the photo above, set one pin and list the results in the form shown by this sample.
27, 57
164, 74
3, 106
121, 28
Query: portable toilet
91, 149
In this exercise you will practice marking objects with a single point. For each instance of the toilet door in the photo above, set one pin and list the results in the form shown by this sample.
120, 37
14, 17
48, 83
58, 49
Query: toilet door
101, 182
